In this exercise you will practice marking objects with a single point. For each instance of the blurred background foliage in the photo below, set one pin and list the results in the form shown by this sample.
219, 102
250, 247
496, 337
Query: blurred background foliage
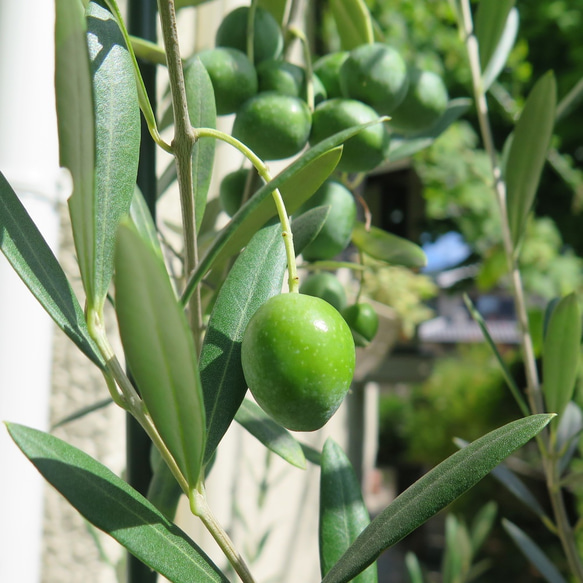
466, 395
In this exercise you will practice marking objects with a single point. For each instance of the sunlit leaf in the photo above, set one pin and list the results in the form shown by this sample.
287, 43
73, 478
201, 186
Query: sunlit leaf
117, 145
528, 152
256, 275
113, 506
505, 45
491, 29
76, 126
343, 514
403, 147
143, 221
353, 23
433, 492
561, 354
385, 246
159, 349
34, 262
277, 439
202, 112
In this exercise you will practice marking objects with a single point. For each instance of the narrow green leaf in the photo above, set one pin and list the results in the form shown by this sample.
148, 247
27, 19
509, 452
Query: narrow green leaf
160, 350
117, 143
482, 525
455, 556
353, 23
202, 112
517, 487
113, 506
491, 19
34, 262
144, 223
503, 49
561, 354
433, 492
296, 183
533, 553
569, 427
528, 151
271, 434
505, 372
255, 276
403, 147
413, 568
343, 514
387, 247
76, 126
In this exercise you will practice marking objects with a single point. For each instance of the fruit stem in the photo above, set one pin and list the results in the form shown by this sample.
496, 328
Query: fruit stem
200, 508
263, 171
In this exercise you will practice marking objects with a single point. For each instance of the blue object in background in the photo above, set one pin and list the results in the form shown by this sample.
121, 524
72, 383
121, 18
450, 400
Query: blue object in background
446, 252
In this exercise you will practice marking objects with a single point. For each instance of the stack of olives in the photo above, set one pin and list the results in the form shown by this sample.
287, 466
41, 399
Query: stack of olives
276, 118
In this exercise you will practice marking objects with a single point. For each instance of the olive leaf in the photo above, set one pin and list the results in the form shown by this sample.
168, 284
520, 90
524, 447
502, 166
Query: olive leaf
117, 145
343, 514
76, 125
527, 153
385, 246
159, 349
353, 23
256, 275
143, 221
271, 434
433, 492
111, 505
561, 354
202, 112
297, 183
402, 147
493, 32
533, 553
34, 262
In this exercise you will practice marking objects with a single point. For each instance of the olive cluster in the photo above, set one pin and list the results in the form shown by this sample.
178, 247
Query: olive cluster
279, 110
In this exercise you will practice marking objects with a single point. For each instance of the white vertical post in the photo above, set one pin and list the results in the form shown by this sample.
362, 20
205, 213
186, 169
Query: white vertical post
29, 160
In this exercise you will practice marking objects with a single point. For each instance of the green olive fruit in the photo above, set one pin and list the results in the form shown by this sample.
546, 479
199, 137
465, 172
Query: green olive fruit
326, 286
232, 189
364, 151
337, 229
363, 321
375, 74
233, 77
287, 79
298, 359
274, 126
424, 104
328, 70
267, 37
